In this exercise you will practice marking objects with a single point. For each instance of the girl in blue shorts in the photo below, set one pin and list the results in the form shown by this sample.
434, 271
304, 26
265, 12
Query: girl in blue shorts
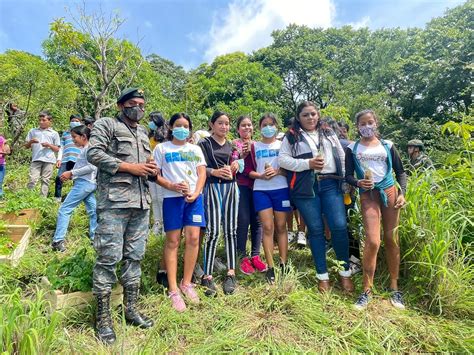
182, 173
270, 192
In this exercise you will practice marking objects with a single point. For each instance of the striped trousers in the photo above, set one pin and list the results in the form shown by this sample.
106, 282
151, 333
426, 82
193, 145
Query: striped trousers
222, 206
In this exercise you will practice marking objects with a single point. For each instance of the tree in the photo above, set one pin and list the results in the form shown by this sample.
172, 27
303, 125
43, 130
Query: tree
100, 64
233, 84
33, 85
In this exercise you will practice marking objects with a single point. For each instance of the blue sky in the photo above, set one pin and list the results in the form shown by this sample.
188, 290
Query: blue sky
190, 32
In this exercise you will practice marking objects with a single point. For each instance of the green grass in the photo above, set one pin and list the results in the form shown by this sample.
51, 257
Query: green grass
292, 316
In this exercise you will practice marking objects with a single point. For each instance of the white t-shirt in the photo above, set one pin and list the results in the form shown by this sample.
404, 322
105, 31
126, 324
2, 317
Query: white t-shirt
329, 162
268, 153
373, 158
178, 163
41, 153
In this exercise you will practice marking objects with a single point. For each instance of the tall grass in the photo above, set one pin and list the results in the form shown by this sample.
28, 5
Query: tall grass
25, 326
436, 232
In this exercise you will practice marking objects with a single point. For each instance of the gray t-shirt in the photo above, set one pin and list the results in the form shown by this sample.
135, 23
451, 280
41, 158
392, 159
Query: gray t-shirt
41, 153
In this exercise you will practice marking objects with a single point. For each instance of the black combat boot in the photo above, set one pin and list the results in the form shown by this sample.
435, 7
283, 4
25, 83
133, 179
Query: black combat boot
132, 316
103, 324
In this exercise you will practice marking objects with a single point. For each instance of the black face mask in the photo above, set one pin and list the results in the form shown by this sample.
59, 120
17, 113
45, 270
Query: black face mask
134, 113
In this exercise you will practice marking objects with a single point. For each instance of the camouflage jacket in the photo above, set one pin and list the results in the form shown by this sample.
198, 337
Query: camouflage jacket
421, 162
112, 142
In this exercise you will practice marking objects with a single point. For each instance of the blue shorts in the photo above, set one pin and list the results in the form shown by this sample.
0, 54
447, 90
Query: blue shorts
279, 200
177, 213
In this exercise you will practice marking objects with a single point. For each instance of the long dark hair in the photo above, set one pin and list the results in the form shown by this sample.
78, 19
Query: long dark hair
216, 115
296, 126
160, 132
176, 117
82, 130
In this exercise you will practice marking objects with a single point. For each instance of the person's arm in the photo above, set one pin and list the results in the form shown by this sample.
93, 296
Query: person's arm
286, 160
60, 153
201, 172
5, 149
397, 166
349, 168
30, 140
101, 137
340, 152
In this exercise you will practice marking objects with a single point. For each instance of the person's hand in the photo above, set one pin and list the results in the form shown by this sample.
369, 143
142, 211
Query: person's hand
67, 175
366, 184
234, 167
58, 164
400, 202
190, 198
180, 187
142, 169
46, 145
316, 163
34, 140
222, 173
269, 173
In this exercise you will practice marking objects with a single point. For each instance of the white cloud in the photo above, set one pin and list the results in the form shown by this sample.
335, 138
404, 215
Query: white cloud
247, 24
363, 22
148, 24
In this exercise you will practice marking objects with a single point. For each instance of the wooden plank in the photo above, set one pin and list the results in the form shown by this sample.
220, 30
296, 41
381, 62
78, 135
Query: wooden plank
20, 235
75, 300
22, 218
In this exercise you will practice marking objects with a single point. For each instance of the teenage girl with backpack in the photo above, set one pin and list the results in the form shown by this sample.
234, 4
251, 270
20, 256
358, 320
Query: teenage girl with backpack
370, 163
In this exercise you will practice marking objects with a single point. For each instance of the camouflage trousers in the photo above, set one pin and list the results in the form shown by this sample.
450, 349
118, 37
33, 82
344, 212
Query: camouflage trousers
121, 236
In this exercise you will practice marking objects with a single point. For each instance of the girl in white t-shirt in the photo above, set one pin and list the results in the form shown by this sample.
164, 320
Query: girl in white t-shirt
182, 173
270, 192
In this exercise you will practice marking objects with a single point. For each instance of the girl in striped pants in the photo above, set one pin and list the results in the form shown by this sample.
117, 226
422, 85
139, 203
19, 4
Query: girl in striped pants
221, 202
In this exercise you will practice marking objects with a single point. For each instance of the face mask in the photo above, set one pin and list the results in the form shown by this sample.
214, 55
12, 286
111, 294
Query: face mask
74, 124
180, 133
152, 125
269, 131
367, 131
134, 113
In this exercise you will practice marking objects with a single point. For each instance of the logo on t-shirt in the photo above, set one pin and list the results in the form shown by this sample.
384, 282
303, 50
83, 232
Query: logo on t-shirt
181, 156
267, 153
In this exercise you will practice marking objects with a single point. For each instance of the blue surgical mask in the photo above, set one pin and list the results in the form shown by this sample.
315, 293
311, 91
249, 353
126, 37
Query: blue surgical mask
180, 133
269, 131
368, 131
152, 125
74, 124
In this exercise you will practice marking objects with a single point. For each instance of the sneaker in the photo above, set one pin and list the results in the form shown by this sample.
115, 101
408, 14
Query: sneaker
189, 292
354, 265
209, 285
177, 301
291, 237
162, 278
284, 269
270, 276
219, 266
59, 246
363, 300
58, 199
246, 266
396, 299
301, 239
198, 271
258, 264
229, 284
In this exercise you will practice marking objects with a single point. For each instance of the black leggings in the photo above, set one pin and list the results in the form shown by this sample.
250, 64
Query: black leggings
248, 217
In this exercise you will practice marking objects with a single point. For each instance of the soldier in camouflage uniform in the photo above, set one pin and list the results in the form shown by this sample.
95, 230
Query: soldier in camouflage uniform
418, 160
120, 148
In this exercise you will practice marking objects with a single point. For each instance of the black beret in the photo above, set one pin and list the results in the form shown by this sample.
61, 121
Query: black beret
130, 93
75, 115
